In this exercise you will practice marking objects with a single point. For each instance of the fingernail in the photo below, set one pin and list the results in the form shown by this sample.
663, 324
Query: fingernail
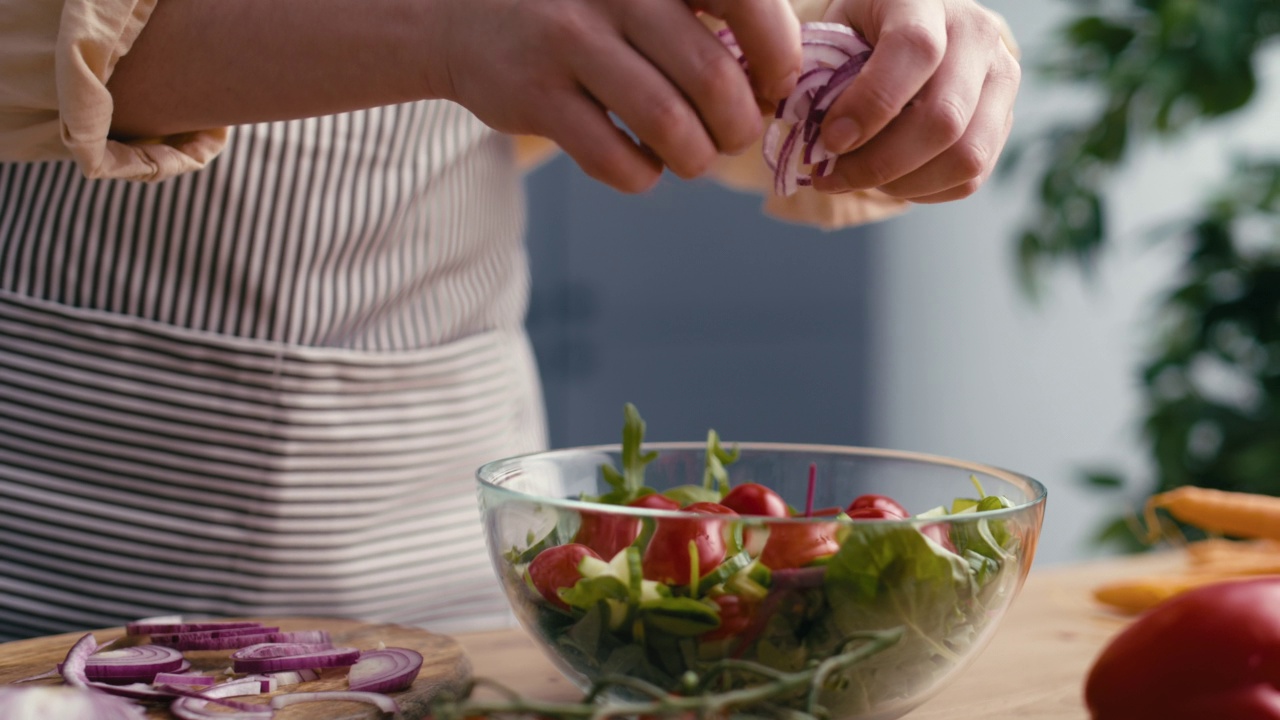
840, 135
783, 87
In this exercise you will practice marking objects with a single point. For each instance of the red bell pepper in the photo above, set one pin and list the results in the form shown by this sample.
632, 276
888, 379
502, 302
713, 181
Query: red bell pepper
1210, 653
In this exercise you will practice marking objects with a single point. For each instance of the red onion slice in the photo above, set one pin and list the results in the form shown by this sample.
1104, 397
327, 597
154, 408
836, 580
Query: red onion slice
235, 642
73, 666
333, 657
181, 678
196, 706
139, 663
174, 624
386, 670
261, 651
833, 56
178, 640
385, 703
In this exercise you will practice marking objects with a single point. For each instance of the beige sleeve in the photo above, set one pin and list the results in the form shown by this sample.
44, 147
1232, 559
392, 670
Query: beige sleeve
55, 60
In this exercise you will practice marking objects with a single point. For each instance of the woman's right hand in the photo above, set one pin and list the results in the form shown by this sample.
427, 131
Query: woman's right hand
559, 68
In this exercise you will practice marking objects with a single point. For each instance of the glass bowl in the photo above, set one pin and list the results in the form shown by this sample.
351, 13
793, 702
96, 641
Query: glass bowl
664, 595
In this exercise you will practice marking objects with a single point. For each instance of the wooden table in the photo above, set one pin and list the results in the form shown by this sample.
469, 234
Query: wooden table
1034, 667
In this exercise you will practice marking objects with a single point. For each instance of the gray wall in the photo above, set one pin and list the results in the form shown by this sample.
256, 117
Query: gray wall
691, 304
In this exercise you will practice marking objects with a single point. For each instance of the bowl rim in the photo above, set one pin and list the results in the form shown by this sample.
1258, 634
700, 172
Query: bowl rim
1036, 490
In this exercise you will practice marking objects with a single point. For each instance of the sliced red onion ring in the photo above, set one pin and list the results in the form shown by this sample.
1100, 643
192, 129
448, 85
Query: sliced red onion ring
261, 651
196, 706
73, 666
178, 640
294, 677
174, 624
333, 657
235, 642
138, 663
385, 703
181, 678
833, 56
385, 670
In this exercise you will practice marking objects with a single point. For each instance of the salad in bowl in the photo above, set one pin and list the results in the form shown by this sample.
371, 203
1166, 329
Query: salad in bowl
697, 568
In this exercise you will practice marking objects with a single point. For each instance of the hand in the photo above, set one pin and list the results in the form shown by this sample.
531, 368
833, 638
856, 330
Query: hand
929, 114
558, 68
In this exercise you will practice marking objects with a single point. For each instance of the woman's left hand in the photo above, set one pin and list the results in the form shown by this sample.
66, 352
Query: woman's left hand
930, 112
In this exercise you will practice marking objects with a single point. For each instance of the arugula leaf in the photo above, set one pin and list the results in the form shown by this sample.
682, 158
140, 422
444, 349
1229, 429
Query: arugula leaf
628, 484
716, 477
690, 494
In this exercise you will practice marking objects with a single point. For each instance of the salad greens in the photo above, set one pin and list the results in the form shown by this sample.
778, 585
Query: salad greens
936, 583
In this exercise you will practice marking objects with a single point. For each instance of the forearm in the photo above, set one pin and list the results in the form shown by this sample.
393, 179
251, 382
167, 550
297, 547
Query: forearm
209, 63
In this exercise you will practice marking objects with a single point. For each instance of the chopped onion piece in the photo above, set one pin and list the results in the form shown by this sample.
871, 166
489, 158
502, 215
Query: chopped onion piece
386, 670
833, 56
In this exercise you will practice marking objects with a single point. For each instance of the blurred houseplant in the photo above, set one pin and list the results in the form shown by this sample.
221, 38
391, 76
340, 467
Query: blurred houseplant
1161, 69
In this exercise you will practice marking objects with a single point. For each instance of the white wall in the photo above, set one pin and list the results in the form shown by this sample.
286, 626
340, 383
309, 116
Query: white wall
967, 367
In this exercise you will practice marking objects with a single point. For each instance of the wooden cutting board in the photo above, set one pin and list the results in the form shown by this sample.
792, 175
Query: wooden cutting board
445, 666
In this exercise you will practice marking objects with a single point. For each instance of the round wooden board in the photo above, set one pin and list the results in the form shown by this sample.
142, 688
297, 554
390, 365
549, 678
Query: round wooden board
445, 666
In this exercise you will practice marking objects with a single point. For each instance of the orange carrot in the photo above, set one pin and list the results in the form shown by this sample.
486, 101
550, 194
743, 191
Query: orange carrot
1133, 595
1245, 515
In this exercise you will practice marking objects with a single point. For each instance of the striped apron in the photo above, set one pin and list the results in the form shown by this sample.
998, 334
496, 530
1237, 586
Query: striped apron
264, 388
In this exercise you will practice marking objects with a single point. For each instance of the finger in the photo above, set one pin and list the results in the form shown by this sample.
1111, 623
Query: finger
701, 68
909, 39
623, 81
974, 155
769, 34
934, 121
967, 187
583, 130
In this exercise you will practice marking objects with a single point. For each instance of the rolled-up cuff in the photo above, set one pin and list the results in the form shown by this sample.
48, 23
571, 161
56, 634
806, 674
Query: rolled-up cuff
93, 35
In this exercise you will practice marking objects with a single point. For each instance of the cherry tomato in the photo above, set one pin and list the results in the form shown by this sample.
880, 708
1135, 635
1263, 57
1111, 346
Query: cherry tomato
556, 568
655, 501
753, 499
608, 533
793, 545
735, 616
879, 502
666, 558
871, 513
